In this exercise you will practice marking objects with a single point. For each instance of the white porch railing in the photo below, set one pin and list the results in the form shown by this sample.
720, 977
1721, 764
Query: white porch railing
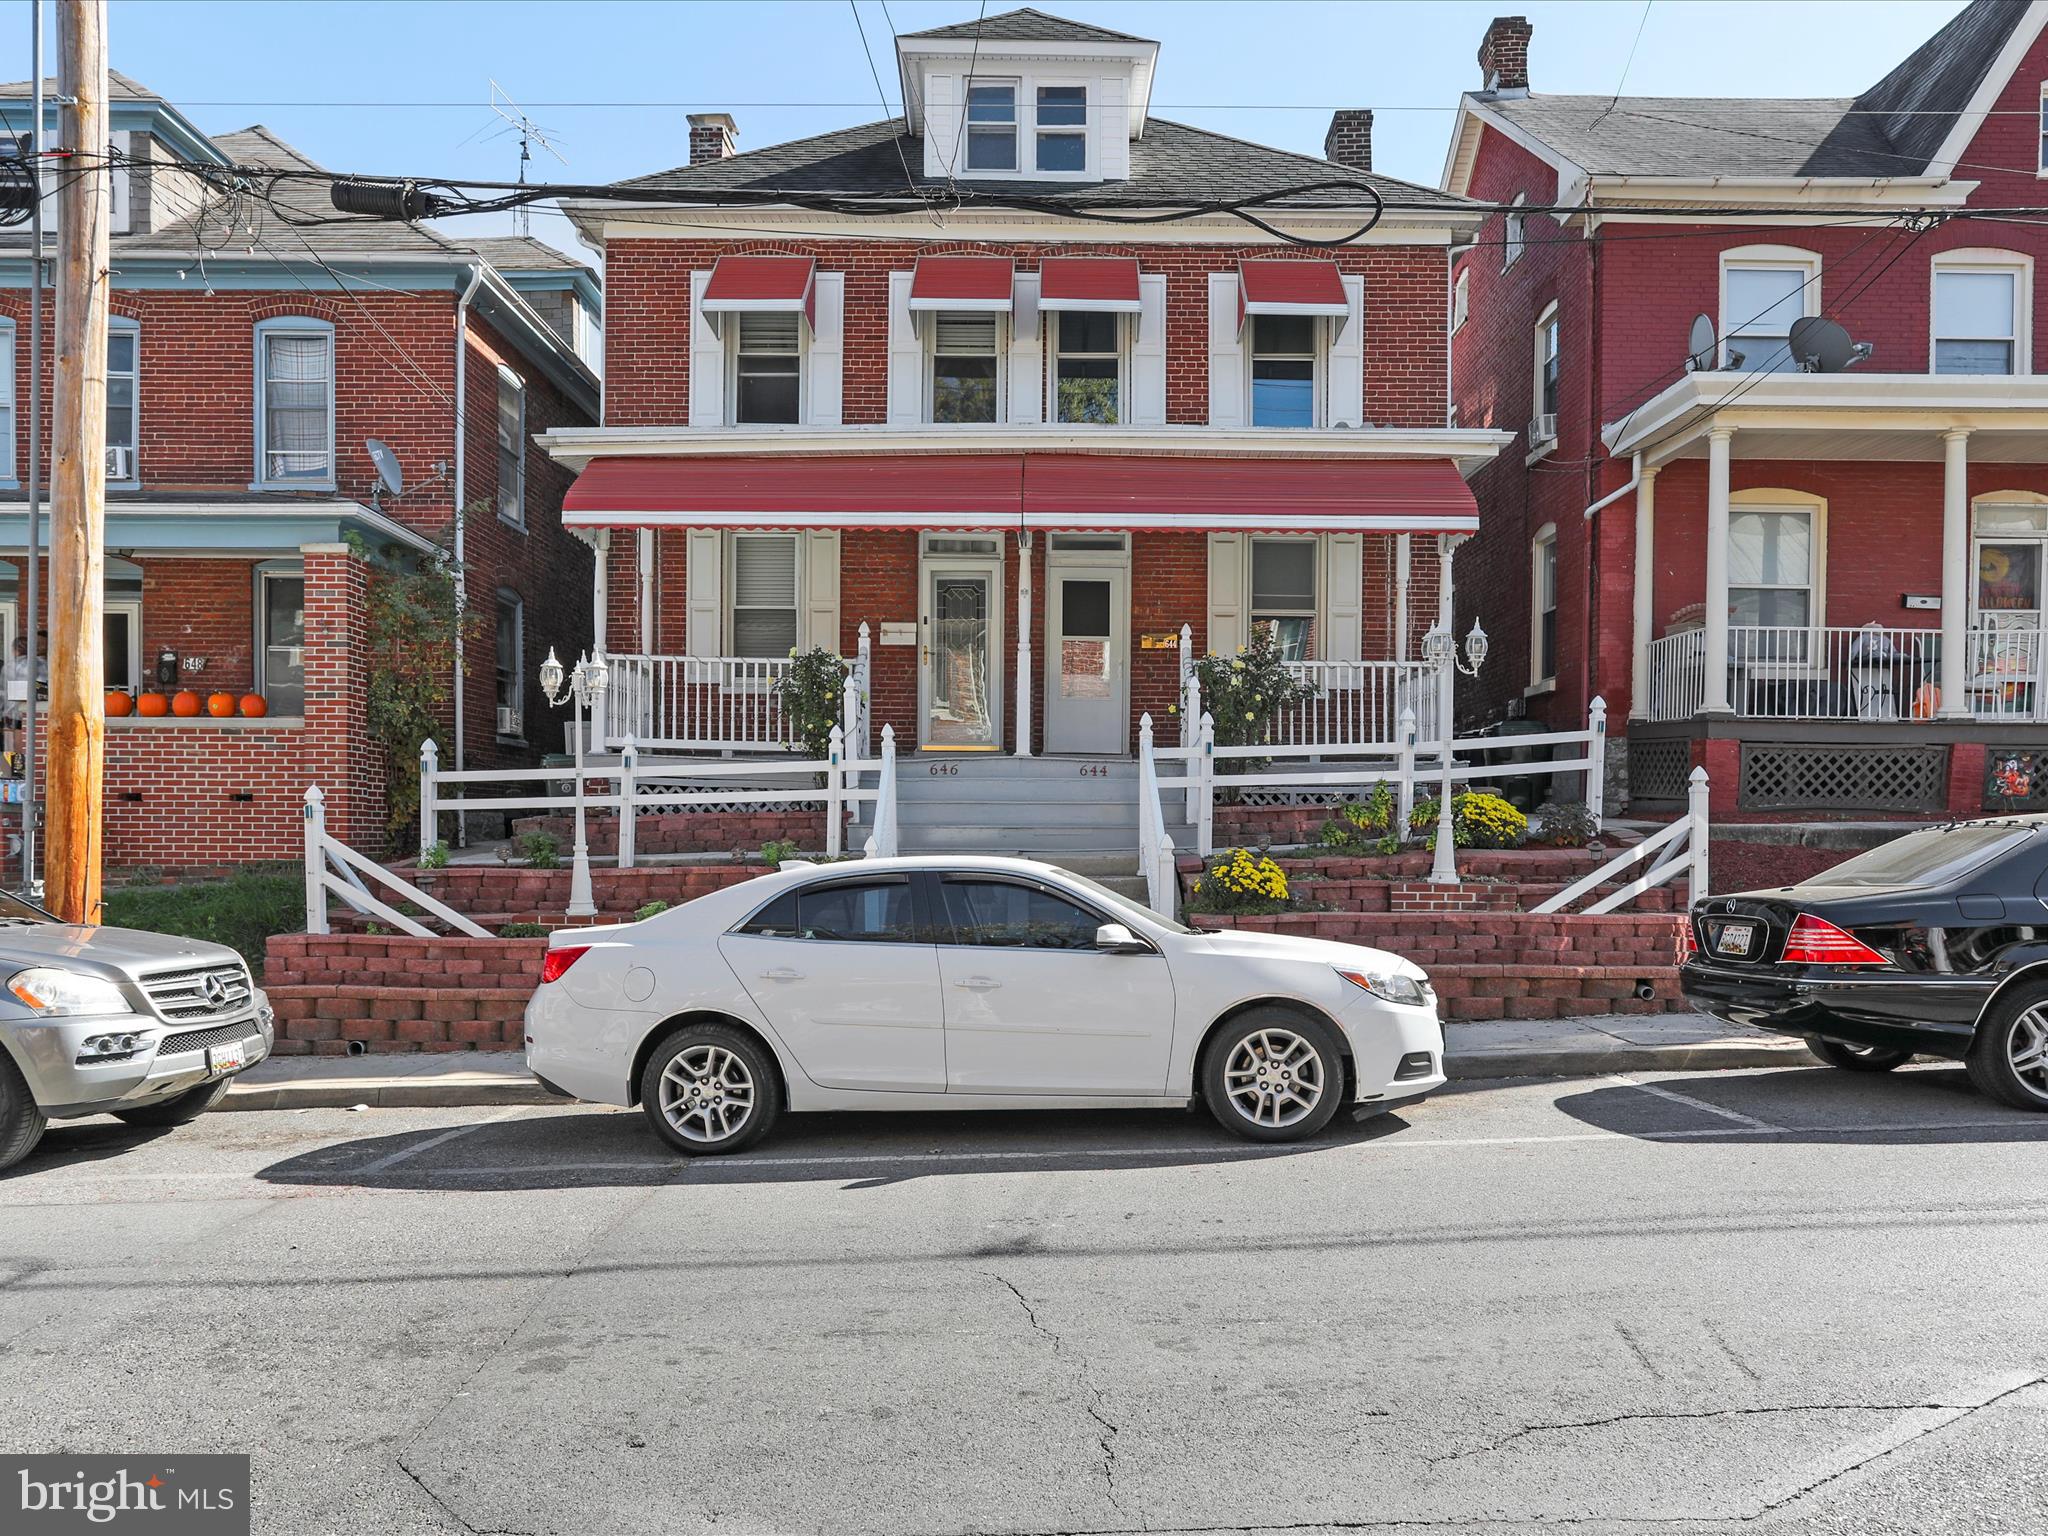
1155, 844
334, 868
1356, 703
1800, 672
712, 703
1680, 846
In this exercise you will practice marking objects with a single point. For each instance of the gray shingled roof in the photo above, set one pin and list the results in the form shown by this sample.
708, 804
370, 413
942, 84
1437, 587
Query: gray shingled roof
1172, 164
118, 86
1892, 129
1028, 26
520, 253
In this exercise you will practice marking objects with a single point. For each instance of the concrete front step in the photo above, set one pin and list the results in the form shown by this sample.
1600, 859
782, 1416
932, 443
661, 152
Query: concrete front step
1057, 838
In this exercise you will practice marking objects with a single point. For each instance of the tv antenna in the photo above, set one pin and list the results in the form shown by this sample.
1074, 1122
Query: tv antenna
530, 133
390, 478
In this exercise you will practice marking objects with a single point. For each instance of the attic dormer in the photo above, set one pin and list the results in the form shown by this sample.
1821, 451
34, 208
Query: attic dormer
1026, 97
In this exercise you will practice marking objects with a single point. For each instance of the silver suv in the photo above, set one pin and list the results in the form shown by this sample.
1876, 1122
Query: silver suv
97, 1021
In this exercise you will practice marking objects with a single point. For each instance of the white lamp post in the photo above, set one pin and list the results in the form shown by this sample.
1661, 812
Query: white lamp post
1439, 649
586, 685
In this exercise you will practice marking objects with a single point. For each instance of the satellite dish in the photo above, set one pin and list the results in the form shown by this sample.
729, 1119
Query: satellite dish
390, 478
1700, 345
1819, 345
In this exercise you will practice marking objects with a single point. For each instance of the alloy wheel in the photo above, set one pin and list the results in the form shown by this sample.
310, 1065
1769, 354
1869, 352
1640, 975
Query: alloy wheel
1274, 1078
707, 1094
2026, 1049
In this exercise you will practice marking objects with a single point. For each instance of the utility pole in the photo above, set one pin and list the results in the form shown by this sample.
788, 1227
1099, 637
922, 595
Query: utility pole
78, 471
32, 612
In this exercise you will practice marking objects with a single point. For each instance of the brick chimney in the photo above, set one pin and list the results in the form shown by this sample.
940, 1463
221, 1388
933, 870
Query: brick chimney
1349, 141
1504, 54
713, 136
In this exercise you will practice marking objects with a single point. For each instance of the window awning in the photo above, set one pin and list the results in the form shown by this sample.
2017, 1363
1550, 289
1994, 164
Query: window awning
1305, 287
762, 285
962, 282
1103, 284
1011, 491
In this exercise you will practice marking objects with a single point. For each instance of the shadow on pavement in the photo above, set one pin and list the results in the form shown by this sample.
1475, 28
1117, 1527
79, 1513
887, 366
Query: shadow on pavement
603, 1150
75, 1144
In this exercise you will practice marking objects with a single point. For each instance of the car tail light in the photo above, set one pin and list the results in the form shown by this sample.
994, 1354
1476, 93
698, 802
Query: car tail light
557, 961
1692, 938
1815, 941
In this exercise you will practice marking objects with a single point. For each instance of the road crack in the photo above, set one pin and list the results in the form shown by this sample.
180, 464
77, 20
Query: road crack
1106, 1428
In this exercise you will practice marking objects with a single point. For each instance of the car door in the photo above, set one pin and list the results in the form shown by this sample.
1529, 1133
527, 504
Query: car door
846, 973
1032, 1006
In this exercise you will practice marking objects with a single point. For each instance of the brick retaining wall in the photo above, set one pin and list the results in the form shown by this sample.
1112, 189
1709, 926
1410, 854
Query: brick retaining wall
689, 831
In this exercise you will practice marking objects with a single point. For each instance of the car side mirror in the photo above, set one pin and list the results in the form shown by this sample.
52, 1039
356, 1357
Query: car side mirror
1116, 939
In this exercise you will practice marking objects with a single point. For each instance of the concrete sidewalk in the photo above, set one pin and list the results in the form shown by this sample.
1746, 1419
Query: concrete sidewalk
1670, 1042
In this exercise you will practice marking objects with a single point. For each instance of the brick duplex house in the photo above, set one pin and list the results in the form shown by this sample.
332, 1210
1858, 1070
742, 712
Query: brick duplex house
1018, 449
1827, 587
250, 359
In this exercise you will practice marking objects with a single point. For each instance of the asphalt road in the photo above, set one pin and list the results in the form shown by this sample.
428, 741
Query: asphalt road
1791, 1300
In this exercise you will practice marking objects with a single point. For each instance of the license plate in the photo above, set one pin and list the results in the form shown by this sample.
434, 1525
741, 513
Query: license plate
1735, 938
223, 1059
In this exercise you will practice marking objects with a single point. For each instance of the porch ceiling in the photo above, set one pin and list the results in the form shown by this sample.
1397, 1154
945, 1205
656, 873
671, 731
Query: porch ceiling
1915, 443
223, 525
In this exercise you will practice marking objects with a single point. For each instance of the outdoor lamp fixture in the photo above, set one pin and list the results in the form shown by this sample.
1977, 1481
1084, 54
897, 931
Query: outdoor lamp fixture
585, 685
1441, 651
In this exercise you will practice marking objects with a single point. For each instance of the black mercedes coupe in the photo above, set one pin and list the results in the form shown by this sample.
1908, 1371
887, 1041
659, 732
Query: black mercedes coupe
1934, 944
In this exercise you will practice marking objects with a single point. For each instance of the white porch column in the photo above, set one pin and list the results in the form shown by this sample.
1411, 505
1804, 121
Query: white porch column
600, 586
644, 563
1403, 561
1716, 696
1645, 614
1023, 738
1955, 575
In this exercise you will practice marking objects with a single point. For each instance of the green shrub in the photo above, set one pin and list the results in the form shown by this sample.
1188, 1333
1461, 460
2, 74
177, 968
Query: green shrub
241, 912
775, 850
1244, 693
540, 851
812, 693
435, 857
1565, 824
653, 909
523, 931
1478, 820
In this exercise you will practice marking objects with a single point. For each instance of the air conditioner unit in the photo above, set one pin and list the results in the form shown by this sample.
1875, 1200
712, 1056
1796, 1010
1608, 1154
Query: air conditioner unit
1543, 429
120, 462
509, 722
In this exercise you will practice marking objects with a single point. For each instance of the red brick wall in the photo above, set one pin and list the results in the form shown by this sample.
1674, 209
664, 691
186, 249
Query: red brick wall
647, 315
183, 796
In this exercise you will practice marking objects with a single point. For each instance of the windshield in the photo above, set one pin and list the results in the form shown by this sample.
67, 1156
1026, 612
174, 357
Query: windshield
1933, 857
15, 910
1123, 903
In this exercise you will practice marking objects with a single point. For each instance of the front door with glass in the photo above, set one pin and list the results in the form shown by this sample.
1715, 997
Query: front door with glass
2006, 653
959, 684
1087, 661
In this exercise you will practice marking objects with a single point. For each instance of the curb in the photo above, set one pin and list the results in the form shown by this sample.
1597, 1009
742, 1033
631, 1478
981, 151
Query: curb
388, 1093
1718, 1056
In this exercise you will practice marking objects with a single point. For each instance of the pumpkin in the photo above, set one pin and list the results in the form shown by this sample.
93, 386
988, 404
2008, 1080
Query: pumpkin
255, 706
152, 705
119, 704
220, 705
184, 703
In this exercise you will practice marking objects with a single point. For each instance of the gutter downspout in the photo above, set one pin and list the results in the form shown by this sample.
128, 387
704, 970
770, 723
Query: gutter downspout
476, 281
1635, 479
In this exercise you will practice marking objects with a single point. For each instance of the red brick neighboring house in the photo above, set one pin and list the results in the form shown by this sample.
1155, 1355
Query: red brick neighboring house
1020, 447
1827, 587
250, 359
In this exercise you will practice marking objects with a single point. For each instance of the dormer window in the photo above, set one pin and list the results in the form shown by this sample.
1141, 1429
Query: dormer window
992, 125
1063, 128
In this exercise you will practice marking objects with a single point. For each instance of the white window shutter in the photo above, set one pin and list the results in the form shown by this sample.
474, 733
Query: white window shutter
906, 357
1347, 360
821, 589
1226, 593
1226, 357
942, 140
828, 349
1148, 353
1027, 353
704, 584
707, 362
1343, 596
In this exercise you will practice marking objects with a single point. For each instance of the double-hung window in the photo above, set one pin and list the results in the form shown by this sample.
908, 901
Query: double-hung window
767, 365
1062, 127
1283, 370
1770, 571
1979, 315
281, 637
511, 448
1461, 299
1760, 298
1088, 368
511, 665
964, 371
1543, 607
763, 595
1514, 233
294, 403
2042, 167
124, 403
6, 401
1544, 427
991, 125
1284, 593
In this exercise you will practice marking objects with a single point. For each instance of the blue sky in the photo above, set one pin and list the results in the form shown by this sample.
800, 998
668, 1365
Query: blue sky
403, 85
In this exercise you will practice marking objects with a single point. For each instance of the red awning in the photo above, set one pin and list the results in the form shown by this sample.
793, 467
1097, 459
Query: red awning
962, 282
1304, 287
760, 284
1099, 283
1072, 491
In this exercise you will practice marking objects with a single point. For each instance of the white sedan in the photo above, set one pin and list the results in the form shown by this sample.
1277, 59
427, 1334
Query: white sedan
968, 983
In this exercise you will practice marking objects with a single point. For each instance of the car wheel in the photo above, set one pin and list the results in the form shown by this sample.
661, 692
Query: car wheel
21, 1122
1851, 1057
710, 1088
2008, 1058
1273, 1075
189, 1105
